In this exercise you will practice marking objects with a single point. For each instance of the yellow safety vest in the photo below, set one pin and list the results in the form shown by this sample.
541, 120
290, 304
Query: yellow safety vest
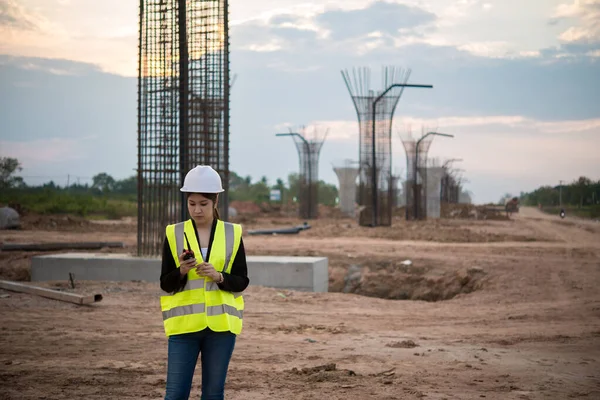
201, 304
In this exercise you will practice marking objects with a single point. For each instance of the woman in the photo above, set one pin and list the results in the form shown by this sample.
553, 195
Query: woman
204, 271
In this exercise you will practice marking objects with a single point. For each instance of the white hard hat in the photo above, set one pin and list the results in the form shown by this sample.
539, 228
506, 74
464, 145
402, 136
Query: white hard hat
202, 179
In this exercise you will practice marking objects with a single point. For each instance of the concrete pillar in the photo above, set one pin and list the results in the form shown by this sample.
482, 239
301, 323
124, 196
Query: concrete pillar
402, 196
464, 198
347, 180
434, 187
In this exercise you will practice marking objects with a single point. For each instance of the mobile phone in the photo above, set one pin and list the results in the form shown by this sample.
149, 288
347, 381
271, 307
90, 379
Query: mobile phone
189, 253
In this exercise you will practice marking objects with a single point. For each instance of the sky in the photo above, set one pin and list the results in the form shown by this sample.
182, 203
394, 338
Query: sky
517, 84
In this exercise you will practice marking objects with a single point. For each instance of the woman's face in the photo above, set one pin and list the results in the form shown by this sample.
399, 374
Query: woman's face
200, 208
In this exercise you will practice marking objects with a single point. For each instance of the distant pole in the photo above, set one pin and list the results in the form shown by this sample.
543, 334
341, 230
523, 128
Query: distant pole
373, 150
309, 194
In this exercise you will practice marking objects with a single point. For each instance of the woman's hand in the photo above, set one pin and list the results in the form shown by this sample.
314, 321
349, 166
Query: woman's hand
207, 269
186, 265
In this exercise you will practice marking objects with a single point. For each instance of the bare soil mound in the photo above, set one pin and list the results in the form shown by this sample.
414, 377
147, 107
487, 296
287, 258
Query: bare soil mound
443, 231
402, 282
72, 223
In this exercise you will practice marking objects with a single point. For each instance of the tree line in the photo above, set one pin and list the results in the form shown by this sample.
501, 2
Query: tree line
14, 190
580, 193
581, 197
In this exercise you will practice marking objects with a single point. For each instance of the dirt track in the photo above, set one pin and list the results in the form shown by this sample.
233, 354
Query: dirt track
530, 329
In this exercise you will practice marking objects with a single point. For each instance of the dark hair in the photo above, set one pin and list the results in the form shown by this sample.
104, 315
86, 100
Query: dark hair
212, 197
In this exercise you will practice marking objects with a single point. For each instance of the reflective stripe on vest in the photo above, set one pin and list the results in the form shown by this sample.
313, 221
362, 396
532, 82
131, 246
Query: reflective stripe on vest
202, 303
200, 308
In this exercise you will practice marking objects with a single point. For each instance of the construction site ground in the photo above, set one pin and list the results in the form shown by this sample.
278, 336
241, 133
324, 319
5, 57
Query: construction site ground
446, 309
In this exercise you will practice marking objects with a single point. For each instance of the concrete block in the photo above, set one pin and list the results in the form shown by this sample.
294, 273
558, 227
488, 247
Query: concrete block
296, 273
95, 267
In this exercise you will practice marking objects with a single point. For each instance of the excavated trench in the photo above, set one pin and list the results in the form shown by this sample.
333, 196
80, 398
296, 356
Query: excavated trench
407, 281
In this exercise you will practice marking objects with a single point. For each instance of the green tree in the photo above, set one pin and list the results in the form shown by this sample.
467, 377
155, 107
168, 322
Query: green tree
582, 190
327, 193
259, 191
103, 182
280, 185
294, 186
236, 181
126, 186
8, 167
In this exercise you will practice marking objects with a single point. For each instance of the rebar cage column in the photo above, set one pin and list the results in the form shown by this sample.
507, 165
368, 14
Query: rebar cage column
359, 87
416, 175
308, 145
183, 107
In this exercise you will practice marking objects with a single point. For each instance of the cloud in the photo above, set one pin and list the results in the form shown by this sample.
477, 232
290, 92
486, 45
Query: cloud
103, 33
583, 16
13, 15
381, 16
45, 98
460, 32
40, 152
49, 65
358, 31
341, 130
465, 25
530, 125
320, 33
486, 49
283, 19
258, 36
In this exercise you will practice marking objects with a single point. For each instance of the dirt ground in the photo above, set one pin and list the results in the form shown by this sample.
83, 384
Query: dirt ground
448, 309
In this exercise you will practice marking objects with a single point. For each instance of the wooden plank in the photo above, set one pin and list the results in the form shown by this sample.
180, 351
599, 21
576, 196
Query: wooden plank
49, 293
59, 246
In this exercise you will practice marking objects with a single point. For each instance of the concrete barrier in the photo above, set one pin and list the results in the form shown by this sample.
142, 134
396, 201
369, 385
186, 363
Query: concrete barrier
296, 273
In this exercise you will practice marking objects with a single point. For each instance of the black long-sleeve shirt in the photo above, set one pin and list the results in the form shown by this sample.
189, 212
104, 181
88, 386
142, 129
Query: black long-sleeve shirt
236, 280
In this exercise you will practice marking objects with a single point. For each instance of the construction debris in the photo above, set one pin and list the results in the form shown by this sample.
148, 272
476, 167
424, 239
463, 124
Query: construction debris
405, 344
9, 218
59, 246
471, 211
51, 294
280, 231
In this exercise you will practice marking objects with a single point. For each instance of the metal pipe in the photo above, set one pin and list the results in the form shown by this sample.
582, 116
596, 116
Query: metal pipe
310, 210
226, 127
140, 186
183, 101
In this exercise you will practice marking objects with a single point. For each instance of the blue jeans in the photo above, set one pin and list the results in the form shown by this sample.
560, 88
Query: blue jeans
215, 349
